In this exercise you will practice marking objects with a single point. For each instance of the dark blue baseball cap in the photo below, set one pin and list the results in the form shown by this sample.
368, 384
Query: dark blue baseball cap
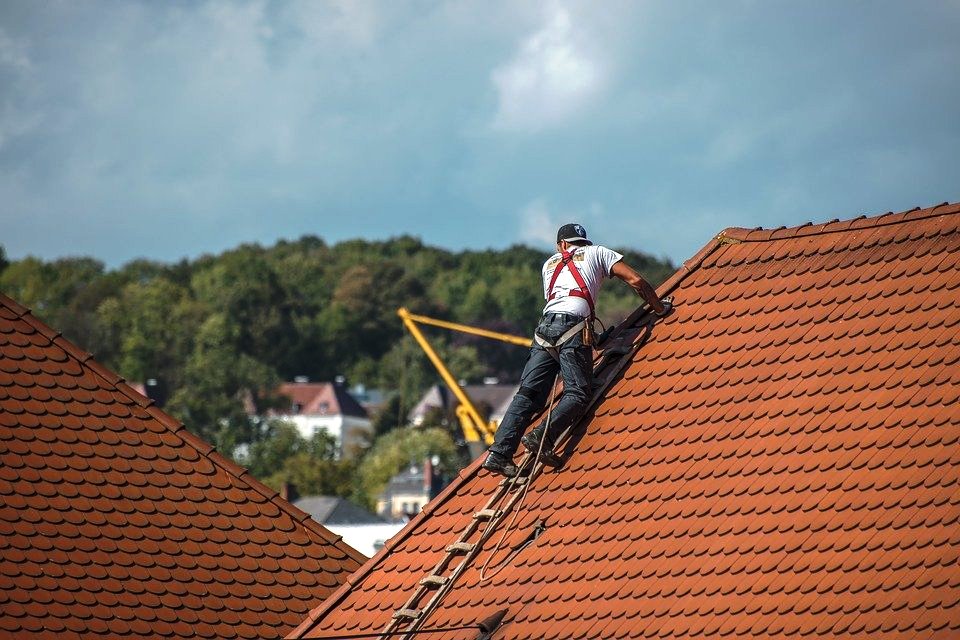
574, 233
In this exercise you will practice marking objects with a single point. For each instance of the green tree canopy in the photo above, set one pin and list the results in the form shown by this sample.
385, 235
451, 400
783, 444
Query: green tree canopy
221, 331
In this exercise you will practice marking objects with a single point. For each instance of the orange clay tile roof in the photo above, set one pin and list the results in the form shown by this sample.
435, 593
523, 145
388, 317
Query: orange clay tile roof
779, 458
117, 522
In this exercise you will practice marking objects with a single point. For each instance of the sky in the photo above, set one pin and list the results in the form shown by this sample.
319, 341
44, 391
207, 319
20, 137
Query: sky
165, 130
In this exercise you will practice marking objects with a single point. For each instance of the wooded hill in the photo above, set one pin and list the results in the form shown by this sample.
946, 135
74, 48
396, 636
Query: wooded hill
217, 329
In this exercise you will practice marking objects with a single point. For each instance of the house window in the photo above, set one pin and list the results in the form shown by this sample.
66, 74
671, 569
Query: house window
297, 407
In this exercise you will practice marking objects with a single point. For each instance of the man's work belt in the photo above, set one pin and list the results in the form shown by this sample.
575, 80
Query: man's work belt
553, 346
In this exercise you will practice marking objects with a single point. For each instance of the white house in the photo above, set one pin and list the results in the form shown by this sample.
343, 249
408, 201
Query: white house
326, 406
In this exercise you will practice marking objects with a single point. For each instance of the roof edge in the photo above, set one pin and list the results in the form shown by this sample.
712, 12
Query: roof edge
88, 362
330, 602
759, 234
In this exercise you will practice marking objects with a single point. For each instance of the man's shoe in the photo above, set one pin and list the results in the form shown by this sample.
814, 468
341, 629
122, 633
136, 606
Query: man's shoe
531, 441
498, 464
550, 458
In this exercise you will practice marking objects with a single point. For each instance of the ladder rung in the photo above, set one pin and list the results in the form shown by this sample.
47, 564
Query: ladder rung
461, 547
517, 482
434, 581
486, 514
409, 614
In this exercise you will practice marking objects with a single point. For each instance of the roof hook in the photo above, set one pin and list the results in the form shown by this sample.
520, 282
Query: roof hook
490, 624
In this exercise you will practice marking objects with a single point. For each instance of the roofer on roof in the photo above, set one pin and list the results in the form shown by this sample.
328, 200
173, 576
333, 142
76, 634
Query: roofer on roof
562, 342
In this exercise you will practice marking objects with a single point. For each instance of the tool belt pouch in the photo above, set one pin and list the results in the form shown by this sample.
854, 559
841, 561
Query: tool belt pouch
549, 333
589, 334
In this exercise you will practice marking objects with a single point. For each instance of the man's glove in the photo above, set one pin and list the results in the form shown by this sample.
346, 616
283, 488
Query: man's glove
667, 306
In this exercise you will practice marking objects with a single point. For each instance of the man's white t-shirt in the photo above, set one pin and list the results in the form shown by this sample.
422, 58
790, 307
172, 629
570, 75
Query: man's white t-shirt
594, 264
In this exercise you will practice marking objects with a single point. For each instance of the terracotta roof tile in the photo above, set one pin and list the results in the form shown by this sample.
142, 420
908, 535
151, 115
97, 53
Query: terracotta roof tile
778, 459
115, 520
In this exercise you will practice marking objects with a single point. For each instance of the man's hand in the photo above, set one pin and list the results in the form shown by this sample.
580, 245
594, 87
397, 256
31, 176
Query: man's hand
667, 307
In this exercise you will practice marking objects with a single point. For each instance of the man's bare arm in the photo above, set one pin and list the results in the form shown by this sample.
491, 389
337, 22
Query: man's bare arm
626, 273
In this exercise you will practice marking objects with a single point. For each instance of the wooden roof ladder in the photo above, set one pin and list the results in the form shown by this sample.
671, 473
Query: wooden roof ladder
431, 589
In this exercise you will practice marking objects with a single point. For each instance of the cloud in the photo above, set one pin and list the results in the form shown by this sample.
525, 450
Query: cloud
538, 224
351, 22
168, 129
552, 77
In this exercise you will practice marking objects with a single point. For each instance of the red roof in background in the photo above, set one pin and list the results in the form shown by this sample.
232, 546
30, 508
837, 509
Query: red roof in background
778, 458
321, 398
116, 522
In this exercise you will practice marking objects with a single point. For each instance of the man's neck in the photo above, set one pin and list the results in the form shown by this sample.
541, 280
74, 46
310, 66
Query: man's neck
569, 247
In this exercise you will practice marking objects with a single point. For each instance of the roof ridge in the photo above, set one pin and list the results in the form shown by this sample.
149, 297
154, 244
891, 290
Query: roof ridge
759, 234
204, 448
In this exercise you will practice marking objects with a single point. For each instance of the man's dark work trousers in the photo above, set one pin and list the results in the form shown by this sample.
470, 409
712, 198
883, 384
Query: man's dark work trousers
576, 371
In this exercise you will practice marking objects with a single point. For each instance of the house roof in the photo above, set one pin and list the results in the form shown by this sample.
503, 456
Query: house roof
777, 458
484, 396
336, 510
116, 521
321, 398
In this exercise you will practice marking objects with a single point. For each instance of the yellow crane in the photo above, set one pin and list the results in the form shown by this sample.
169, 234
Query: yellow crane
475, 428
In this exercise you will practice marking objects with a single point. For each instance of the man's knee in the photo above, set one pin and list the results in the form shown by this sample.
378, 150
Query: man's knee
524, 402
529, 393
577, 394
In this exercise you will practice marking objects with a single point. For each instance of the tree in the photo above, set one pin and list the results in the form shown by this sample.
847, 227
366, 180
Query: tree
243, 288
217, 382
397, 449
280, 455
390, 417
151, 326
315, 476
63, 293
274, 442
222, 330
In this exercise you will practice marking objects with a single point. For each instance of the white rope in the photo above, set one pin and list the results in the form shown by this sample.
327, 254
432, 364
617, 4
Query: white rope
523, 496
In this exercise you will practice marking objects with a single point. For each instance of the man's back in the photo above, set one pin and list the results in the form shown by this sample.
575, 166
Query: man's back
594, 263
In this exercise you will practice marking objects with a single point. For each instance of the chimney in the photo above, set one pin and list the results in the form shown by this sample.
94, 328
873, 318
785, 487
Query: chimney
288, 492
427, 476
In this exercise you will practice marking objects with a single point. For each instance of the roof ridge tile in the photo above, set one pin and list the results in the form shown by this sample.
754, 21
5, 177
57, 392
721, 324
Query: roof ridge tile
759, 234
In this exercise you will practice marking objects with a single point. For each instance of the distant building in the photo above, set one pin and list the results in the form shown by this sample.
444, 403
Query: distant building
490, 400
372, 400
408, 491
364, 531
336, 510
326, 406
